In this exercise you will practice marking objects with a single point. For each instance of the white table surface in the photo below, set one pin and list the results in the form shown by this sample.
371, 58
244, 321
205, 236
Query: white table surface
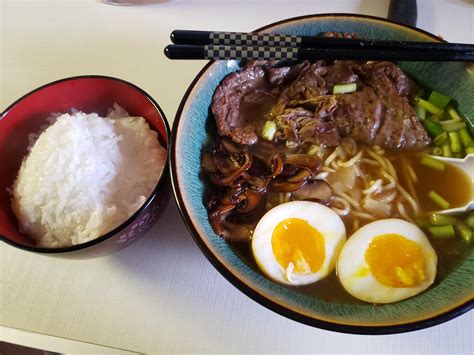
161, 294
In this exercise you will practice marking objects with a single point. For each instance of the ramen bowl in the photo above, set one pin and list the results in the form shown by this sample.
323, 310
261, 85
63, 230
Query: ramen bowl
450, 295
88, 94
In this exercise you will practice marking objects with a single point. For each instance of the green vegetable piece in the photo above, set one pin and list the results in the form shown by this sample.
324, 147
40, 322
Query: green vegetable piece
470, 150
455, 142
423, 222
438, 99
446, 231
453, 113
464, 231
433, 128
441, 219
313, 149
438, 199
437, 151
269, 130
470, 219
432, 163
344, 88
466, 138
420, 111
453, 126
447, 150
441, 139
428, 106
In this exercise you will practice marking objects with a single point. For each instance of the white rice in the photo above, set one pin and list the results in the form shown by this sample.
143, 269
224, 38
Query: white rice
85, 175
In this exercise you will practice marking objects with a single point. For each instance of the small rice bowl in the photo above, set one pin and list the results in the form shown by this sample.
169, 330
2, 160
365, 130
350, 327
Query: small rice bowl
85, 175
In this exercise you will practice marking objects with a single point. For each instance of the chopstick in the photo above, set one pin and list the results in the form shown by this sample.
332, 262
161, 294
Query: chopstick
190, 37
178, 51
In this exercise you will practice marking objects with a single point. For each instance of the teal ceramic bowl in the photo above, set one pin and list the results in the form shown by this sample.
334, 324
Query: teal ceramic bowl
447, 298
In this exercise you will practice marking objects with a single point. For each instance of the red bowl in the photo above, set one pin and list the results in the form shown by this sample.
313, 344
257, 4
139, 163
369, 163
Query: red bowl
88, 94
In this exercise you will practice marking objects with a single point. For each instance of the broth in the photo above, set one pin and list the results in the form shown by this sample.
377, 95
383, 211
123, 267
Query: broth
452, 183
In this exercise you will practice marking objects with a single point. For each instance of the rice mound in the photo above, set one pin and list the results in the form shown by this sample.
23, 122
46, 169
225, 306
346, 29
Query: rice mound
85, 175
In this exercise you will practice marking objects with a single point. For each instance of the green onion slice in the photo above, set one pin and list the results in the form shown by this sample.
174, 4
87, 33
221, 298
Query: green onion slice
344, 88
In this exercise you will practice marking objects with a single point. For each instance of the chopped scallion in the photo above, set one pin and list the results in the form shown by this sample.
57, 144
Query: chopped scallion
466, 138
446, 231
437, 151
438, 199
453, 126
420, 111
432, 163
433, 128
455, 142
441, 139
269, 130
313, 149
422, 222
438, 99
441, 219
464, 231
470, 220
344, 88
447, 150
453, 113
428, 106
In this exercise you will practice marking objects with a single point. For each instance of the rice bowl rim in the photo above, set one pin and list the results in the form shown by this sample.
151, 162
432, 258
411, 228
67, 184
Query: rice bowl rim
137, 213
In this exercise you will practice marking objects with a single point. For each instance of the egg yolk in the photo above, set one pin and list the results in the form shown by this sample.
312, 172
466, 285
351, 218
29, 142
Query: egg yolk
396, 261
295, 241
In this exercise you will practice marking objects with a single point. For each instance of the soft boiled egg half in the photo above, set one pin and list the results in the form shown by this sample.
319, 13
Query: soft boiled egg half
387, 261
297, 243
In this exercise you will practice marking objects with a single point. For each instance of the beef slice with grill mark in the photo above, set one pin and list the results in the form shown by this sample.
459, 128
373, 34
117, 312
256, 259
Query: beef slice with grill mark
377, 113
244, 97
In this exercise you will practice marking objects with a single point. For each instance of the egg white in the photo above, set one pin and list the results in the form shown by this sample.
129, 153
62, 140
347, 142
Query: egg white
320, 217
354, 272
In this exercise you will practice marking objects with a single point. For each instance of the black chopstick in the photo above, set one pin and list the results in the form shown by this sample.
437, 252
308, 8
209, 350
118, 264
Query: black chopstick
177, 51
264, 39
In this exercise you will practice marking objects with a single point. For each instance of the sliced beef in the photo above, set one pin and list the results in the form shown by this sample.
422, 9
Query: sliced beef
299, 99
244, 97
379, 112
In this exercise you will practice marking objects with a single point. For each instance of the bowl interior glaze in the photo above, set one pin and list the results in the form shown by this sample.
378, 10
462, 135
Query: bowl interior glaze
29, 113
447, 298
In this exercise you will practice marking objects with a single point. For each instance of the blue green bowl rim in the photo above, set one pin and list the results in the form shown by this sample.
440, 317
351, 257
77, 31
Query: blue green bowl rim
244, 288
